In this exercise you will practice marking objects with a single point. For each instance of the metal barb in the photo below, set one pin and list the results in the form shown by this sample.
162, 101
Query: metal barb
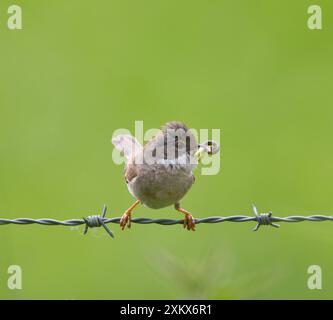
97, 221
263, 219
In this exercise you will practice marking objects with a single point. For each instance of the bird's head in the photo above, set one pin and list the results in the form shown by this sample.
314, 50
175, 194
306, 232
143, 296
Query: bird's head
178, 140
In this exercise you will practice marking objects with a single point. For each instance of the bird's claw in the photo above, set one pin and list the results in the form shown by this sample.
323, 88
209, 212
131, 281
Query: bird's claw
125, 220
189, 222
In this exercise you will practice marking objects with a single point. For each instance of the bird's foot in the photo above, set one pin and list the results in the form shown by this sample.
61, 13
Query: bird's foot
126, 217
125, 220
189, 222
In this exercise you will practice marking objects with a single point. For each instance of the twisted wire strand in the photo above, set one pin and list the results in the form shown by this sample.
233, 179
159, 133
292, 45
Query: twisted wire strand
217, 219
101, 220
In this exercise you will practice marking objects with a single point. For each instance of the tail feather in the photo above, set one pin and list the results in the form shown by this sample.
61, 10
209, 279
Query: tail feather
127, 144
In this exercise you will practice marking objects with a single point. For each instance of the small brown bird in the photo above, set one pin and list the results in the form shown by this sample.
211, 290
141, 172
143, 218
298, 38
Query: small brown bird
160, 173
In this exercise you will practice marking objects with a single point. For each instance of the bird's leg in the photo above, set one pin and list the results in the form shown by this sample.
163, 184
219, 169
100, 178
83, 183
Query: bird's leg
189, 221
126, 217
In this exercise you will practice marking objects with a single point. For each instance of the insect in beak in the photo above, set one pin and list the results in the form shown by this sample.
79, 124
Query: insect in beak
200, 153
210, 147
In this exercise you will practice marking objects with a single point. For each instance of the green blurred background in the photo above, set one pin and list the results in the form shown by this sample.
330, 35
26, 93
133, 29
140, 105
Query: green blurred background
81, 69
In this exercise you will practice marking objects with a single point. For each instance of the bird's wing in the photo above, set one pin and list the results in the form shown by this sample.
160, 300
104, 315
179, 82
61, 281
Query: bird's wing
127, 144
131, 172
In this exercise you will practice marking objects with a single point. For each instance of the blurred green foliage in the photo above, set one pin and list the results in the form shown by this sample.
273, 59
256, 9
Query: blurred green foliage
81, 69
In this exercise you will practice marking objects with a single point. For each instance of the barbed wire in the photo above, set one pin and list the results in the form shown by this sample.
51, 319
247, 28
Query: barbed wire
101, 220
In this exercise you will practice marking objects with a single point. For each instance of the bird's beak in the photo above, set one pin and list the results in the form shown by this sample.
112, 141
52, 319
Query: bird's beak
200, 153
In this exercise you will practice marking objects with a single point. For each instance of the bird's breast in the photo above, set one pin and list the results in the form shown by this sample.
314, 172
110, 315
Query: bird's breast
160, 186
